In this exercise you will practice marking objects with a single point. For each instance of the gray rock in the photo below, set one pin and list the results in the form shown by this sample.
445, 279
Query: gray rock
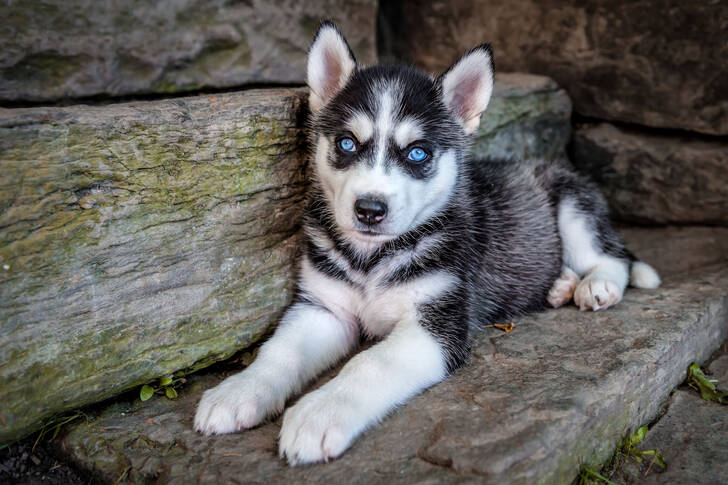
138, 239
676, 250
528, 116
692, 438
562, 388
662, 63
73, 48
718, 370
651, 178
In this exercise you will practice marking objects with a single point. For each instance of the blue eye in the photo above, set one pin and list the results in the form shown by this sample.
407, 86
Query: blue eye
417, 154
347, 144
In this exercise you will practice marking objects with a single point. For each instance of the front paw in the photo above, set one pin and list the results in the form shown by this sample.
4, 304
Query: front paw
238, 403
596, 294
321, 426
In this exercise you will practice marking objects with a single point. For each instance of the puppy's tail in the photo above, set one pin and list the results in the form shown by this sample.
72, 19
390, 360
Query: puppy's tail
642, 275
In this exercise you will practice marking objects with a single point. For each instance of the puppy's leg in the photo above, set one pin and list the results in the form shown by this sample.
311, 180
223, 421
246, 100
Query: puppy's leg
324, 423
308, 340
563, 289
594, 251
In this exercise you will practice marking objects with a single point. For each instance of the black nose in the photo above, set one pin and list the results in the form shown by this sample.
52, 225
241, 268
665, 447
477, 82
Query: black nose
370, 211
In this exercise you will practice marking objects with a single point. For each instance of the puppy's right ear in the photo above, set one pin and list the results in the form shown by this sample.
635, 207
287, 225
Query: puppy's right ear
330, 65
467, 86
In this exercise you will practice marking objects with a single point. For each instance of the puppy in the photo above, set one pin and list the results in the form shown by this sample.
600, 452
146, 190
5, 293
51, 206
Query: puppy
411, 242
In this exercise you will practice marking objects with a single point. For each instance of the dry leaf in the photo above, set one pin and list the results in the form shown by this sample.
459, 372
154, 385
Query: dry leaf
506, 327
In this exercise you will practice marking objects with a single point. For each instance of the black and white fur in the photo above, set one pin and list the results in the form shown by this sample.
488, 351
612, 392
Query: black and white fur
463, 243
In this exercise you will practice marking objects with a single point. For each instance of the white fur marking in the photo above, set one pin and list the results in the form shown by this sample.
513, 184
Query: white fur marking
606, 276
324, 423
361, 126
383, 125
407, 131
308, 340
644, 276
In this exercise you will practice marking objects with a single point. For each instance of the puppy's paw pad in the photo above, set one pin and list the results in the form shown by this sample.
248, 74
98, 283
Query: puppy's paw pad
596, 294
318, 428
563, 289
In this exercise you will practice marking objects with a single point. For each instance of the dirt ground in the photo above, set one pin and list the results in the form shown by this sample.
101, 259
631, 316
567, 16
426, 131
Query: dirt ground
21, 465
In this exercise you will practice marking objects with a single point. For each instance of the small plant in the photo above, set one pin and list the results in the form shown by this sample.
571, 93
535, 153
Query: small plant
706, 387
166, 385
57, 422
626, 450
629, 448
588, 475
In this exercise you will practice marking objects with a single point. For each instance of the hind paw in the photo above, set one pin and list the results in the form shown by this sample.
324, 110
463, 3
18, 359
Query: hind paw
596, 294
563, 288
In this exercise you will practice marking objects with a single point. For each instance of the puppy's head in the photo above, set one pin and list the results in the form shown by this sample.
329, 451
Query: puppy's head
389, 140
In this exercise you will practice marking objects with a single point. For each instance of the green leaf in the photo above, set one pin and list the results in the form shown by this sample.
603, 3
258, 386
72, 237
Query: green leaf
170, 392
658, 458
165, 381
638, 436
146, 392
590, 472
706, 387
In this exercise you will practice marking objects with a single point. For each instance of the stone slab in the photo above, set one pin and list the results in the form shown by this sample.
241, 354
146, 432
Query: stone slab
559, 390
662, 63
138, 239
677, 250
718, 370
655, 178
56, 49
528, 117
693, 438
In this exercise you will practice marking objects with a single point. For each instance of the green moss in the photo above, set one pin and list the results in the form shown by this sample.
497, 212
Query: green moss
74, 193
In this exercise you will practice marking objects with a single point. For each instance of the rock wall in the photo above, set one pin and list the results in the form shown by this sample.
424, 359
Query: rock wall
657, 71
54, 49
655, 177
138, 239
662, 63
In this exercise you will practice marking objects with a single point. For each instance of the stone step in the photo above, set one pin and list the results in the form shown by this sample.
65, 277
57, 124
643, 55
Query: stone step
74, 48
561, 389
137, 239
655, 178
692, 436
621, 60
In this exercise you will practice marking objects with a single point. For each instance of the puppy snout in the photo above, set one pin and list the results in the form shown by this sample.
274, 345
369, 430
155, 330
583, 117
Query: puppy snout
370, 211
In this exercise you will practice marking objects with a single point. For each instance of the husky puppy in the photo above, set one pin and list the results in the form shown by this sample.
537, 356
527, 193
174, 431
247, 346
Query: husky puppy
411, 242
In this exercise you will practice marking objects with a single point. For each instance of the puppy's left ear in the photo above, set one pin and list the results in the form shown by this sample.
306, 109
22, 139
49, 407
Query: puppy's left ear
467, 86
330, 65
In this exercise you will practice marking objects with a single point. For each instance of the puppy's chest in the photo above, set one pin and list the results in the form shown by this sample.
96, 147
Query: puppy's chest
370, 299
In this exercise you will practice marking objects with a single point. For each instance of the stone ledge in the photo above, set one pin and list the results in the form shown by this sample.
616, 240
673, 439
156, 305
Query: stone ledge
561, 389
652, 178
61, 49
